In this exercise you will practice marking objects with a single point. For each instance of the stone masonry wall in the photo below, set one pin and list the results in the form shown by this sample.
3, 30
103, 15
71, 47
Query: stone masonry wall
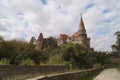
21, 70
70, 76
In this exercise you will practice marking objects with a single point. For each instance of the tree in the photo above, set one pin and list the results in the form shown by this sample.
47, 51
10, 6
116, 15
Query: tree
116, 46
102, 57
78, 55
18, 50
1, 39
49, 43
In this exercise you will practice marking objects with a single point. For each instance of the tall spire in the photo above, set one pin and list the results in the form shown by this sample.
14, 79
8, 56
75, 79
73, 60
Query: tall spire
81, 25
39, 42
40, 38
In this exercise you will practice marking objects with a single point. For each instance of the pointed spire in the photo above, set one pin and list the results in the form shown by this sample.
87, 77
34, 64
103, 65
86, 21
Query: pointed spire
40, 38
81, 25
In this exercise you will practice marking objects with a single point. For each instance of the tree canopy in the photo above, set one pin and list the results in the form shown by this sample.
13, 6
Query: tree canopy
116, 46
19, 52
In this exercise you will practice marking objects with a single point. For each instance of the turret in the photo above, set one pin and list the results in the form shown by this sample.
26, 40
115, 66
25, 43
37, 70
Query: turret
32, 41
82, 34
81, 29
40, 38
39, 42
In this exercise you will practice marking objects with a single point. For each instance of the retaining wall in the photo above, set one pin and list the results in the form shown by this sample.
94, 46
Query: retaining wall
70, 76
21, 70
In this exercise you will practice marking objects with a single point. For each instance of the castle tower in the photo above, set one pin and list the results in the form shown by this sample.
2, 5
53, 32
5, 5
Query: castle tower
39, 42
82, 29
32, 41
82, 34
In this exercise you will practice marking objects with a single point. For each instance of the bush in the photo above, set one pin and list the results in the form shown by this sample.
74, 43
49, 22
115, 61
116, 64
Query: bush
4, 61
55, 59
97, 65
27, 61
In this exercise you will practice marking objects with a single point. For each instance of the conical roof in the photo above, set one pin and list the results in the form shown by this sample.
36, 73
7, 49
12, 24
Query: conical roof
81, 25
40, 38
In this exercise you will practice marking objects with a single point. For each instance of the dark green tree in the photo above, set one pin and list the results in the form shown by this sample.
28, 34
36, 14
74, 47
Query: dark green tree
18, 50
49, 43
116, 46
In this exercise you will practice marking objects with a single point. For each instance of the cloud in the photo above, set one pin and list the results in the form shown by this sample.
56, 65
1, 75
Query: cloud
27, 18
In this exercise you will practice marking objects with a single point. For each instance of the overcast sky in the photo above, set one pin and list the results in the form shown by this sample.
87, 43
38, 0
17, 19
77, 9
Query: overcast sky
22, 19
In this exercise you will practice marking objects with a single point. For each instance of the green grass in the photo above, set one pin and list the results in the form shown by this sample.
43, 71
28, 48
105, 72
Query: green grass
90, 77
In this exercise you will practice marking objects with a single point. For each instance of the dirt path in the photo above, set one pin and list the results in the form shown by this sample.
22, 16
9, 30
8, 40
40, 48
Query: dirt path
108, 74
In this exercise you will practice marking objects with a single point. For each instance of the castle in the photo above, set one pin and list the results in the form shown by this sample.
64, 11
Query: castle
79, 37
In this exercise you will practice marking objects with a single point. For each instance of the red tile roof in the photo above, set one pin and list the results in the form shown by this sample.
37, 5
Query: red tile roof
75, 35
64, 36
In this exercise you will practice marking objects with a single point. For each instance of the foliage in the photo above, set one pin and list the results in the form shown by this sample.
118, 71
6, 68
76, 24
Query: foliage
55, 59
97, 65
116, 46
102, 57
27, 61
78, 55
1, 39
49, 43
4, 61
20, 52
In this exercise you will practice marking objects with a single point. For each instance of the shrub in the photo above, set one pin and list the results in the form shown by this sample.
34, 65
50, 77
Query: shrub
97, 65
4, 61
27, 61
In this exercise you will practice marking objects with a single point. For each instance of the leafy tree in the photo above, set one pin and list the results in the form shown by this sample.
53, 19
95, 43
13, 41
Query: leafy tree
116, 46
76, 54
49, 43
102, 57
1, 39
20, 52
17, 50
37, 56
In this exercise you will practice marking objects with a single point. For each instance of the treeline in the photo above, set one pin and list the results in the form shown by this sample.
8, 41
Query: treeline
78, 56
19, 52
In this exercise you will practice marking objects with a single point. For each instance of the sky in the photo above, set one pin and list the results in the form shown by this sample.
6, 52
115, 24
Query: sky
22, 19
